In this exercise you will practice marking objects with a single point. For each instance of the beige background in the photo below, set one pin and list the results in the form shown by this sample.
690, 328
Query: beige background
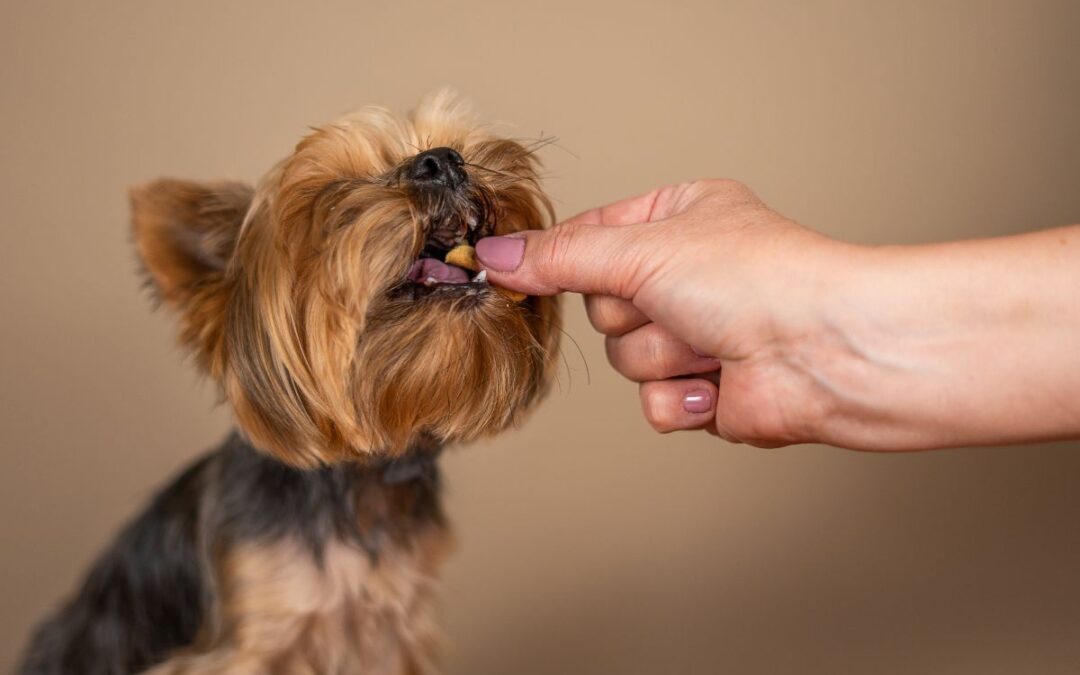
588, 544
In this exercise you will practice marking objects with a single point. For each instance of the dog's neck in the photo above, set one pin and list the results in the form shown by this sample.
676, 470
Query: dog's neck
416, 464
419, 462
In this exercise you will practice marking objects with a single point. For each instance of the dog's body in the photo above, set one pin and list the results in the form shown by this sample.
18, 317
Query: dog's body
351, 354
306, 570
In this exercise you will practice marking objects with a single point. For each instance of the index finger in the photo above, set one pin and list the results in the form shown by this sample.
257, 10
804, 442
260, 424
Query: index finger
645, 208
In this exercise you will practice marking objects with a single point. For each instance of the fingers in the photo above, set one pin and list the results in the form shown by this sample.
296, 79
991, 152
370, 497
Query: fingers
569, 257
674, 405
652, 353
598, 251
613, 316
655, 205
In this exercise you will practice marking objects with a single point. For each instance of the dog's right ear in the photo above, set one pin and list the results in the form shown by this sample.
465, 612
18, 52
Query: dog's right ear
185, 233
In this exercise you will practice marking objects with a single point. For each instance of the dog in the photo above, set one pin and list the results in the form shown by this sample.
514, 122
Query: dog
350, 354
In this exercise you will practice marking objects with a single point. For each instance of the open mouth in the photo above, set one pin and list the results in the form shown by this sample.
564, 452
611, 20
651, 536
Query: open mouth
446, 265
436, 266
447, 262
434, 272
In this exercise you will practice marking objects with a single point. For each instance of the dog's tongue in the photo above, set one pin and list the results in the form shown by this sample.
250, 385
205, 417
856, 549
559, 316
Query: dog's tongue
432, 271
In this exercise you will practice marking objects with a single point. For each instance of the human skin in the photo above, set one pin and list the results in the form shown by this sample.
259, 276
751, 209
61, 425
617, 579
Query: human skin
739, 321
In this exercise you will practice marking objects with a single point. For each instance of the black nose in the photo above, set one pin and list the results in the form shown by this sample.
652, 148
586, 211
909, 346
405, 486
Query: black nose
439, 166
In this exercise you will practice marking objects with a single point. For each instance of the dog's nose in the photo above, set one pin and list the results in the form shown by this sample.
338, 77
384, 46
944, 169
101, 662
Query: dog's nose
439, 166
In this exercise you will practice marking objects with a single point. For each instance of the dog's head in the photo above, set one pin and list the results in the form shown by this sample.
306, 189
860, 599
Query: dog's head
319, 302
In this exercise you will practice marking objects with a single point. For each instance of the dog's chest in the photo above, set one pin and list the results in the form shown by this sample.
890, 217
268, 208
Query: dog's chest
351, 613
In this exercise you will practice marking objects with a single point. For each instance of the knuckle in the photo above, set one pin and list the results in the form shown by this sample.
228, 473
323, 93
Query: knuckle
726, 427
594, 311
640, 356
648, 406
655, 354
754, 420
562, 241
731, 189
727, 185
613, 349
655, 411
602, 314
731, 192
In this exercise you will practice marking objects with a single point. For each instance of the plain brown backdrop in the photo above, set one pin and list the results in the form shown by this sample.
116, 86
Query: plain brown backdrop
588, 544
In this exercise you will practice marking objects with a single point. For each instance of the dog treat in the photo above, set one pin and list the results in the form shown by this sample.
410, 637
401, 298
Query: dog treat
464, 256
513, 296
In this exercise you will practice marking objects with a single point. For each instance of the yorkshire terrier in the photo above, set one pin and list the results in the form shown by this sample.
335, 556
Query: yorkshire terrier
350, 353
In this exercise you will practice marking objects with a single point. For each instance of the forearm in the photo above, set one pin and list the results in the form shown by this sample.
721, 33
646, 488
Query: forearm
964, 343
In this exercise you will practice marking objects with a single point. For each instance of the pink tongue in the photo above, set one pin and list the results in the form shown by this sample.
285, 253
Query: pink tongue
425, 270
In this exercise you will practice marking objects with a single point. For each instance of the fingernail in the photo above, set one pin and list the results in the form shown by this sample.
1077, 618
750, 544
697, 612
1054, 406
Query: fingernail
502, 254
697, 401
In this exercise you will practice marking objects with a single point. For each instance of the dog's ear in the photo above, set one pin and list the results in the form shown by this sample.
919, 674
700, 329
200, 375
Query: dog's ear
185, 234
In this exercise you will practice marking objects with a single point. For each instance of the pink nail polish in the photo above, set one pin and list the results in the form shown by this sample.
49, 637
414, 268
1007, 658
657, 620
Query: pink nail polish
697, 401
502, 254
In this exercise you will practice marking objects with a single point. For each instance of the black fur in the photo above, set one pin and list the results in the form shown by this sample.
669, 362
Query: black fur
149, 593
143, 598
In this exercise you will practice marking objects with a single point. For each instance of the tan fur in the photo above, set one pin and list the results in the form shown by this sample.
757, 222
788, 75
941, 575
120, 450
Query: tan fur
286, 298
185, 234
281, 613
297, 324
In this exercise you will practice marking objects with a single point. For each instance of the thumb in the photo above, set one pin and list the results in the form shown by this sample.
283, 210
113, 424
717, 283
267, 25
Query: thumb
572, 256
600, 251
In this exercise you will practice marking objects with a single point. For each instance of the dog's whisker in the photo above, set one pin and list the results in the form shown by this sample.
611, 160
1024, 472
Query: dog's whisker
577, 346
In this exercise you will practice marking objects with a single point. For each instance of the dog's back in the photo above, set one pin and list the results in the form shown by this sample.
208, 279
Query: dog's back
143, 598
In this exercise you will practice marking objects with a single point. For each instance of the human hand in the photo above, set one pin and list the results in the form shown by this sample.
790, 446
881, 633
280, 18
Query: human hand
707, 297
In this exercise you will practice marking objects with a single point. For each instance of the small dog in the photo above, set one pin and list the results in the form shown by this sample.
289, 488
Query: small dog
350, 354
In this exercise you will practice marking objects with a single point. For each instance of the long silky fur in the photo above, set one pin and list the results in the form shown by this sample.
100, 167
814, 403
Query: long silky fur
319, 359
310, 542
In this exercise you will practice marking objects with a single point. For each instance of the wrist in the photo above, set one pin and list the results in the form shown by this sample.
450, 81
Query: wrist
863, 355
828, 348
814, 373
945, 345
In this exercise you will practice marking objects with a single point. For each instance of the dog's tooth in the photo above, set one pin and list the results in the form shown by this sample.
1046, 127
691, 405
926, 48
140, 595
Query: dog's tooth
472, 222
481, 277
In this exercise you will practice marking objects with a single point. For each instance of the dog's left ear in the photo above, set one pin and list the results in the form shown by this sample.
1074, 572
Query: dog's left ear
185, 233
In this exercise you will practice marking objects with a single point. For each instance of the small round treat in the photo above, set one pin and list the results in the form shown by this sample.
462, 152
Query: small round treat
464, 256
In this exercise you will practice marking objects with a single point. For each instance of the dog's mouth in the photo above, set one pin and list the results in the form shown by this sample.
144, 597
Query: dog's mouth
437, 270
446, 266
434, 272
431, 267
